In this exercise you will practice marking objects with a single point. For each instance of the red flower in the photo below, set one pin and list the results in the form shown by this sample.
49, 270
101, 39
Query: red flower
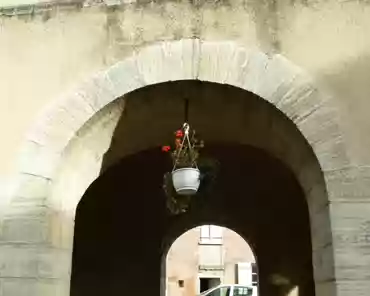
166, 148
179, 133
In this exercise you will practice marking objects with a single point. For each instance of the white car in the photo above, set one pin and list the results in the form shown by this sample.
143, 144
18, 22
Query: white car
231, 290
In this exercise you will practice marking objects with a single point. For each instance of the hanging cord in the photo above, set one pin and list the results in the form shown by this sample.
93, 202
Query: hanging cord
186, 110
186, 128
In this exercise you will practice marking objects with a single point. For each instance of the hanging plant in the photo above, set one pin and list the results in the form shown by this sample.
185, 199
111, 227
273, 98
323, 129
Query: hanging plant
190, 174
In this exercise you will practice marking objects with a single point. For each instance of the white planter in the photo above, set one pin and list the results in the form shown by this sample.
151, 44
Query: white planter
186, 181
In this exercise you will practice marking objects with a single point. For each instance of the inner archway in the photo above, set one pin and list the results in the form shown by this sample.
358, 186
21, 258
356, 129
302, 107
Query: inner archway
207, 256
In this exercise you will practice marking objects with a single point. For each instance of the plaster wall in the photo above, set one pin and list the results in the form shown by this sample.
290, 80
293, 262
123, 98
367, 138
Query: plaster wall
49, 52
46, 54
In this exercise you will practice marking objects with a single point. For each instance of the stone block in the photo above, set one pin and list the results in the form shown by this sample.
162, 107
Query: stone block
301, 98
323, 264
31, 187
99, 90
168, 61
38, 160
54, 263
321, 229
353, 287
351, 226
317, 196
25, 229
238, 63
326, 288
150, 64
332, 154
350, 184
278, 78
180, 59
352, 264
34, 287
124, 77
214, 61
280, 139
57, 125
62, 229
255, 71
31, 261
317, 120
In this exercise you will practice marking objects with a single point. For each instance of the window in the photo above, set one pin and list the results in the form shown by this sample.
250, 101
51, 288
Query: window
254, 274
223, 291
242, 291
211, 234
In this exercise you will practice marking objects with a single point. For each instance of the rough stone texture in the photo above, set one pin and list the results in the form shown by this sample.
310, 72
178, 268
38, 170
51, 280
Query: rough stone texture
326, 288
264, 48
63, 125
140, 70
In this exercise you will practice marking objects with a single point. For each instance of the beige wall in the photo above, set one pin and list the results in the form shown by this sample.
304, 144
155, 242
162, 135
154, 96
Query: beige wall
44, 56
183, 260
47, 55
182, 264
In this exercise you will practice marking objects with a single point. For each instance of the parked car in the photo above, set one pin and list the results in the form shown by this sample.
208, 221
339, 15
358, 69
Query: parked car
231, 290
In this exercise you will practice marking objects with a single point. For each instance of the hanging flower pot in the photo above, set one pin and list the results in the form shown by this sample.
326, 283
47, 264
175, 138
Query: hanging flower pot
190, 176
185, 172
186, 181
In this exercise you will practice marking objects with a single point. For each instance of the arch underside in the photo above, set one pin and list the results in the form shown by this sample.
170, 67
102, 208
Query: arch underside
151, 114
255, 195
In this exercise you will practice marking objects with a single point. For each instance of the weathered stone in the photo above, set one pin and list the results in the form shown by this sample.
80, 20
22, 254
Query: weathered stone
34, 287
321, 229
33, 187
279, 76
349, 287
323, 264
255, 71
38, 160
214, 61
326, 288
182, 53
307, 34
26, 230
100, 90
34, 261
349, 184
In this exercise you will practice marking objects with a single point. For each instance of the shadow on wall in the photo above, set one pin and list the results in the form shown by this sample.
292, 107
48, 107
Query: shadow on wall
123, 230
348, 81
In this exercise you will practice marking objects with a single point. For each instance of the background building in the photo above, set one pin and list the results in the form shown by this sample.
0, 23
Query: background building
205, 257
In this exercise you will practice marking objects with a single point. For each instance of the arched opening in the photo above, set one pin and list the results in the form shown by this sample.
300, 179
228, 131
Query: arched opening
208, 256
264, 191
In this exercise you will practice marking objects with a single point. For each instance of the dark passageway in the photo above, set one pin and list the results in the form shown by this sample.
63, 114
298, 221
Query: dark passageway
123, 228
263, 192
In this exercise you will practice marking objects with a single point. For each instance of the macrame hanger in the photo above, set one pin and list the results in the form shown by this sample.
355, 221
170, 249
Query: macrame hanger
186, 129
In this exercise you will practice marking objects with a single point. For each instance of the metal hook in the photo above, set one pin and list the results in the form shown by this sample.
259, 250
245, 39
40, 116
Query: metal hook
186, 128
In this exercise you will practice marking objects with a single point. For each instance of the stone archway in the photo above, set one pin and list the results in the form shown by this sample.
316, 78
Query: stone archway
190, 270
272, 78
